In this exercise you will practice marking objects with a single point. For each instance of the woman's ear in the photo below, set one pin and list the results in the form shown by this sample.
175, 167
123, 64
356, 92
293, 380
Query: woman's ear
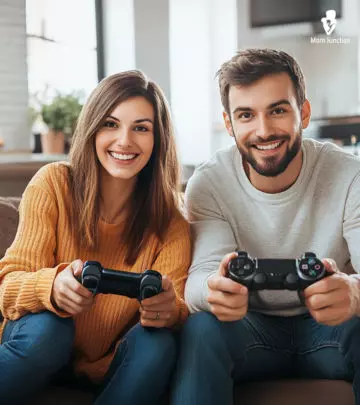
305, 114
228, 125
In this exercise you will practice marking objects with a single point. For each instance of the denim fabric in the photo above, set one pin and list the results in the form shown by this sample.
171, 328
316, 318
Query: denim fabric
32, 350
142, 368
216, 355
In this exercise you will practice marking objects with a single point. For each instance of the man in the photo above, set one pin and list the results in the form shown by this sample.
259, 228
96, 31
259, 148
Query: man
272, 195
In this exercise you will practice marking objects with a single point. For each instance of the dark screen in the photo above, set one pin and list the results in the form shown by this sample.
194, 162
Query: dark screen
276, 12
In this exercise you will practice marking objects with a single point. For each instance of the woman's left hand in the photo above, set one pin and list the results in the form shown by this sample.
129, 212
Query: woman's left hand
160, 311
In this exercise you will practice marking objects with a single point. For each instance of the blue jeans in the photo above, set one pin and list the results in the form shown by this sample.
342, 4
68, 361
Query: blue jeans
141, 369
216, 355
32, 350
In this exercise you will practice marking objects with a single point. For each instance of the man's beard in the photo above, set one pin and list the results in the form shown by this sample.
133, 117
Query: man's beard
272, 167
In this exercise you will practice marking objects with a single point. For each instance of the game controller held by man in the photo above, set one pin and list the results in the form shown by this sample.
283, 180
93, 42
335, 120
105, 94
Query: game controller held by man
331, 300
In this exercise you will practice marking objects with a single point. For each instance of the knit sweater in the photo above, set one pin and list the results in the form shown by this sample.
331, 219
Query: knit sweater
44, 246
320, 212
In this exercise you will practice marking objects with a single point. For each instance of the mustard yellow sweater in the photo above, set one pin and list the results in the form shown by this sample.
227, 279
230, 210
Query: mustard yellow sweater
43, 246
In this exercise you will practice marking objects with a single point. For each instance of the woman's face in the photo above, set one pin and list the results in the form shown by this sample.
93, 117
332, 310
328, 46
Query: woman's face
125, 142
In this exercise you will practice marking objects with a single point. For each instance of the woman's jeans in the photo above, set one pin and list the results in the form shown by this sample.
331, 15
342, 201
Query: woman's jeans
32, 350
35, 347
214, 355
141, 370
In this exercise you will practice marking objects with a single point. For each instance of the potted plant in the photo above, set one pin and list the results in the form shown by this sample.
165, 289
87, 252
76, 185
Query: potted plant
60, 117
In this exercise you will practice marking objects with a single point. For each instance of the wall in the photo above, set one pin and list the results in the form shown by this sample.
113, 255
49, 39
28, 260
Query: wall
202, 36
13, 75
119, 35
152, 40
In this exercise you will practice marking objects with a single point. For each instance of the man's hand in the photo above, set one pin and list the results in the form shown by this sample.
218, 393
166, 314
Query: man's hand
160, 310
68, 294
334, 299
228, 299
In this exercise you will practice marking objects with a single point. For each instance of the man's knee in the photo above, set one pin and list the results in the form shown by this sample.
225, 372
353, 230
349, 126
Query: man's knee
350, 339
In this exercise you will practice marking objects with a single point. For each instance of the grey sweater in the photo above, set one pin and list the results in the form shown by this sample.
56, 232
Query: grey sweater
320, 212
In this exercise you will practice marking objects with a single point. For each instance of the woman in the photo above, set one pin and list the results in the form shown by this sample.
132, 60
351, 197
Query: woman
116, 202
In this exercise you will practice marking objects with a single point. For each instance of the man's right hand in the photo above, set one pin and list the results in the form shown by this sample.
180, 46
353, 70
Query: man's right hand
68, 294
228, 299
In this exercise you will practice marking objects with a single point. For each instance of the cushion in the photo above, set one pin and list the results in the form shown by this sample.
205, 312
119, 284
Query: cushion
9, 220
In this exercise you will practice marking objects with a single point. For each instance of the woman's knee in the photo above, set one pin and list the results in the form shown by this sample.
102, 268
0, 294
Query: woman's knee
159, 345
201, 328
42, 334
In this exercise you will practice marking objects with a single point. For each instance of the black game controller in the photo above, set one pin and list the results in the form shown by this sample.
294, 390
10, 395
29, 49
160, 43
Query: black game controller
276, 274
133, 285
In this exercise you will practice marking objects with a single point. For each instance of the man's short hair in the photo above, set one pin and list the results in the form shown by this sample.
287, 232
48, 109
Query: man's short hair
250, 65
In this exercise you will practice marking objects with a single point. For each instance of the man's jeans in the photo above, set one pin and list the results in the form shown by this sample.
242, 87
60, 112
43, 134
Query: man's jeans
214, 355
37, 346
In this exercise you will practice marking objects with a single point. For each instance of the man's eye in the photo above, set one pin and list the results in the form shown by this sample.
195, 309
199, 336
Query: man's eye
278, 111
245, 116
140, 128
110, 124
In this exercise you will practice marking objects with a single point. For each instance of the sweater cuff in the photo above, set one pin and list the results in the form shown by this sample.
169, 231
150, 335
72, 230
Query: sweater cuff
44, 286
182, 311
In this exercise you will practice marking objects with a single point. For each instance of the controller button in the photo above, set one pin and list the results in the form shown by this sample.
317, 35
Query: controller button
260, 278
292, 279
311, 262
317, 267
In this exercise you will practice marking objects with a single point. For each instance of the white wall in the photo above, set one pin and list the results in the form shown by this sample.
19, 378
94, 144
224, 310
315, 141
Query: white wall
13, 75
202, 36
191, 77
119, 35
152, 41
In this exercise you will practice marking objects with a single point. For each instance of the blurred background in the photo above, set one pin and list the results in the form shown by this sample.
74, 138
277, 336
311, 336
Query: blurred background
54, 52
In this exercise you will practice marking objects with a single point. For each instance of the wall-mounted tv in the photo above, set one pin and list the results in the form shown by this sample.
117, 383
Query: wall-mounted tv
278, 12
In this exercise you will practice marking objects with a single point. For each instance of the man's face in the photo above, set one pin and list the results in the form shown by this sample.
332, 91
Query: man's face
266, 123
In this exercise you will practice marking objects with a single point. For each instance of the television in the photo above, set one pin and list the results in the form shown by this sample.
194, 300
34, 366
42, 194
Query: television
278, 12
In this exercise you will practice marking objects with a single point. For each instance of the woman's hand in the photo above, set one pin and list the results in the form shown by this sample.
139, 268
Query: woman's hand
68, 294
160, 311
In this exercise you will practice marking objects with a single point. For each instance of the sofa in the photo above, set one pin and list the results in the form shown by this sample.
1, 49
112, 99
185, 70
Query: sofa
277, 392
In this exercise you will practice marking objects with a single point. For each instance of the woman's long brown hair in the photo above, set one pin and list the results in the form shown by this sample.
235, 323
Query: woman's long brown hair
156, 195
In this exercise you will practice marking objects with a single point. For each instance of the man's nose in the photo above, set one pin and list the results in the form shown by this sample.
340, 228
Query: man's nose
264, 129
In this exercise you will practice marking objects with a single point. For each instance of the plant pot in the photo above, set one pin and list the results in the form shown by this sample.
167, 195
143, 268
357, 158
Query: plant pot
53, 142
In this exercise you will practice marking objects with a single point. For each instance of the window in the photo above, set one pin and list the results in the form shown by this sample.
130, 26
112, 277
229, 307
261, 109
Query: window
61, 47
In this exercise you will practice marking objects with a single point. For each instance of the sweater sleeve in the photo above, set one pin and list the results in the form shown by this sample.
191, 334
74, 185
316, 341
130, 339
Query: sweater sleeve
213, 238
173, 260
27, 270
